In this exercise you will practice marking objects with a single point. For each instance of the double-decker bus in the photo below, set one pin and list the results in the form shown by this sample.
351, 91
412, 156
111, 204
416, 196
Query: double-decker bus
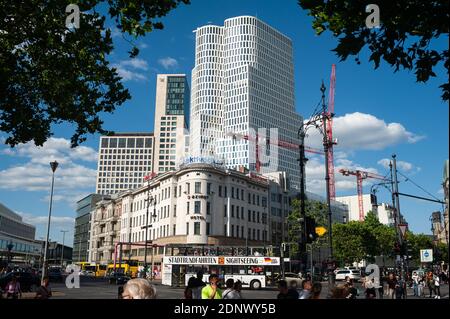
254, 272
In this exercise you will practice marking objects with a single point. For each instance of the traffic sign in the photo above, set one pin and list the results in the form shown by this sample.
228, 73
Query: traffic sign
426, 255
321, 231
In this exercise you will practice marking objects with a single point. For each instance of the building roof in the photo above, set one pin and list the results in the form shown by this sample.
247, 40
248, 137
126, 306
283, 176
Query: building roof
5, 211
126, 134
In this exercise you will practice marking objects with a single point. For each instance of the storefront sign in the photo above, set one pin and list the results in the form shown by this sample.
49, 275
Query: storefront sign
221, 260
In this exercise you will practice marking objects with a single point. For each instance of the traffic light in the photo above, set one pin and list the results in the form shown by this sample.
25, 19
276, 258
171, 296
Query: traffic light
311, 235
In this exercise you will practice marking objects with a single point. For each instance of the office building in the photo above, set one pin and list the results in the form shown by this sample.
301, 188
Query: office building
242, 84
123, 161
17, 239
171, 121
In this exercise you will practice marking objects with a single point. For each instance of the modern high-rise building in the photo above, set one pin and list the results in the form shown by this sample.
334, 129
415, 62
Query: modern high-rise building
171, 121
123, 161
243, 83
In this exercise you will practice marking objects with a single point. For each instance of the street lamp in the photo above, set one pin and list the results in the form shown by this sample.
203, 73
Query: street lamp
53, 166
62, 249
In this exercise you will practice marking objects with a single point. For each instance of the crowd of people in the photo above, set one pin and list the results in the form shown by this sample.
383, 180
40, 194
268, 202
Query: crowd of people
12, 290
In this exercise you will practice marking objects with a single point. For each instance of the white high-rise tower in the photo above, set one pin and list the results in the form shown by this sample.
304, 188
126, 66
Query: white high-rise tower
242, 82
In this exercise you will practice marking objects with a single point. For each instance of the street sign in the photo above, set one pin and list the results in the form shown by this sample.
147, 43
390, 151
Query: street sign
426, 255
321, 231
403, 228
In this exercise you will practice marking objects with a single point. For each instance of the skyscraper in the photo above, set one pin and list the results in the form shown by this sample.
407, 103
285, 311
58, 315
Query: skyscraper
123, 161
171, 120
242, 82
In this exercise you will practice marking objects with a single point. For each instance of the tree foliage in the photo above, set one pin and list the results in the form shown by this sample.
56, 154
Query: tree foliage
51, 74
403, 40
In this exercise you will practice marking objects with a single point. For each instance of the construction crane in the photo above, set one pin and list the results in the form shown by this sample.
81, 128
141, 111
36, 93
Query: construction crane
329, 131
360, 176
279, 143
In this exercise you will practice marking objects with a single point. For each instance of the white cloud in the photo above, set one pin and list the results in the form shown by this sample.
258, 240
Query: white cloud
168, 63
315, 175
357, 131
128, 75
135, 63
143, 45
402, 165
42, 220
35, 173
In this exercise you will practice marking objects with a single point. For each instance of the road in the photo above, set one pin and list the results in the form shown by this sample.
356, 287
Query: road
100, 289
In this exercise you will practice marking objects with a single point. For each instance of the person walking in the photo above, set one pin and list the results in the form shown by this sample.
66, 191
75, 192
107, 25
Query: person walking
305, 293
369, 285
212, 291
437, 287
430, 283
415, 278
43, 292
420, 286
13, 290
197, 285
316, 290
230, 292
391, 283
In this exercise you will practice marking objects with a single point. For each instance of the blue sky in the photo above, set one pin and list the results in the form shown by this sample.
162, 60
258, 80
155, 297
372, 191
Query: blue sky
378, 113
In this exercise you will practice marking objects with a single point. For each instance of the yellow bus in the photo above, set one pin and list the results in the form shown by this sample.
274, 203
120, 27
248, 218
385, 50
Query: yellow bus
128, 267
92, 269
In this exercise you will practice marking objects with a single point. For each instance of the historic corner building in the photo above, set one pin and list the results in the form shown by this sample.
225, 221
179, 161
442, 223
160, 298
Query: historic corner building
199, 204
243, 80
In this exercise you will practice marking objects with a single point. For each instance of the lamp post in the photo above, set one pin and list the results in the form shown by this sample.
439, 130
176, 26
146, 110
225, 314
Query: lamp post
62, 249
53, 166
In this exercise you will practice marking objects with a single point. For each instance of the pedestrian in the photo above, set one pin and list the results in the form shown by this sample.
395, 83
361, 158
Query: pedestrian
230, 292
188, 291
305, 293
138, 288
285, 292
437, 287
420, 286
352, 291
415, 279
316, 290
43, 292
369, 285
400, 289
212, 291
197, 286
391, 283
340, 292
430, 283
13, 290
238, 288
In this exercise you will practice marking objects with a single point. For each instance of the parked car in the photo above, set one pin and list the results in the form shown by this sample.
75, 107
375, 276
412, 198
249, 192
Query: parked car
118, 278
55, 275
27, 280
352, 274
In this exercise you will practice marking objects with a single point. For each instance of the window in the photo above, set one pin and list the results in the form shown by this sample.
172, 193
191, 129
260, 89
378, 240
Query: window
237, 193
208, 228
249, 216
225, 211
197, 207
187, 228
225, 230
257, 234
242, 212
249, 198
208, 188
254, 216
175, 192
174, 210
198, 187
226, 192
232, 192
196, 228
232, 230
208, 208
174, 230
220, 190
254, 234
187, 208
242, 194
188, 190
257, 217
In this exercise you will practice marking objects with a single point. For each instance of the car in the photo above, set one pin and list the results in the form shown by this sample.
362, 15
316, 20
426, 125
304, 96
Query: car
28, 281
293, 280
118, 278
352, 274
55, 275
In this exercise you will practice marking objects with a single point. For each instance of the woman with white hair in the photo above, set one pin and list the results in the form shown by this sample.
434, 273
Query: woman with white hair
138, 288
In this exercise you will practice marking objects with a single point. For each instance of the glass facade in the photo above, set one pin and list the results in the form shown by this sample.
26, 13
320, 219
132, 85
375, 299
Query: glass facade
177, 102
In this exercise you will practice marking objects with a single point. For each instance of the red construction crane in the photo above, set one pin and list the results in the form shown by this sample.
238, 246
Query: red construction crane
329, 131
360, 176
280, 143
